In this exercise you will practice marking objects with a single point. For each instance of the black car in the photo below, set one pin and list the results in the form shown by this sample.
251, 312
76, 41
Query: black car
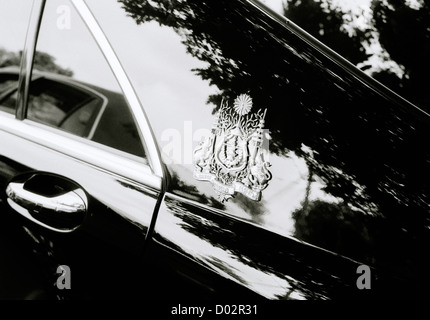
201, 150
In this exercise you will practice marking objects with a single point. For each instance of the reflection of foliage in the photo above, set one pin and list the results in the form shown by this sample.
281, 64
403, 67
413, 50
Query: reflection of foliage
254, 208
42, 62
8, 58
404, 32
335, 227
312, 273
371, 240
45, 62
326, 22
370, 152
402, 28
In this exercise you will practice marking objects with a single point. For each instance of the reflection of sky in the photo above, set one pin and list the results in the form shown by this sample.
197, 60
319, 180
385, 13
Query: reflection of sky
72, 48
160, 72
284, 194
160, 69
12, 30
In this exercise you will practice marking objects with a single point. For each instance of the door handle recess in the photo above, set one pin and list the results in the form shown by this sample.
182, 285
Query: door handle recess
62, 212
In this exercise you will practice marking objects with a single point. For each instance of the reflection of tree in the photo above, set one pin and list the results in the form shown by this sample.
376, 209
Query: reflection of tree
371, 240
369, 152
400, 27
404, 32
332, 115
283, 257
335, 227
253, 208
326, 22
45, 62
42, 62
9, 58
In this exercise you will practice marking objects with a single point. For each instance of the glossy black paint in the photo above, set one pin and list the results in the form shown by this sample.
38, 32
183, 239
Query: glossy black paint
104, 253
352, 155
274, 266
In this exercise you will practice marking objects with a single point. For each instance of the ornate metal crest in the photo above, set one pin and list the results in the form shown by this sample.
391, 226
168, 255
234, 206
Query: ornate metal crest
231, 158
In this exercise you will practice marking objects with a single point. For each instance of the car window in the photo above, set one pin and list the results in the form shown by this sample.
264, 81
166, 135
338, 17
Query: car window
63, 106
14, 17
8, 91
73, 88
7, 82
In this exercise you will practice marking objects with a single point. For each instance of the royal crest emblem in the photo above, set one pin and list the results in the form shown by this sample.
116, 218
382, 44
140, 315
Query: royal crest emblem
232, 157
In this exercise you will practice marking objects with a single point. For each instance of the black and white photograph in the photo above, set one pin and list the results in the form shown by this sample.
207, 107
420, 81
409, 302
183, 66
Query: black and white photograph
214, 155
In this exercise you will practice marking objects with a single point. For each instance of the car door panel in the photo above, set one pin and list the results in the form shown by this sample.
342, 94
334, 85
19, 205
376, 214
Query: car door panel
119, 189
338, 195
347, 155
113, 232
268, 264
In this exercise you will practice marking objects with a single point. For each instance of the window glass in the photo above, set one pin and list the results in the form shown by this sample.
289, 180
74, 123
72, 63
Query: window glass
58, 104
73, 87
7, 82
14, 17
8, 91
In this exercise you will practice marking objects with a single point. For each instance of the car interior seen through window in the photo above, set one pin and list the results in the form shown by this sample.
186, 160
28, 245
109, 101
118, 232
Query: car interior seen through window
72, 86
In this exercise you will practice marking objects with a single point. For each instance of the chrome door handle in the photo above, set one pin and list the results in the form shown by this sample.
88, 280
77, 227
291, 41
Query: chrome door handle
69, 202
63, 212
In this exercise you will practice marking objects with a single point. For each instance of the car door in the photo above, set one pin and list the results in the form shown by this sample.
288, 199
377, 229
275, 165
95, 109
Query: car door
230, 88
79, 172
